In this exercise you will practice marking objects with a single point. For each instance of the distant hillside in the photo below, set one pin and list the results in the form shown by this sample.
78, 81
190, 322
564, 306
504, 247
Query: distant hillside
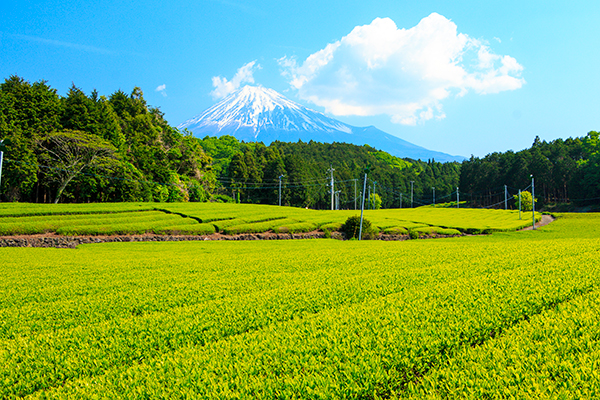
251, 171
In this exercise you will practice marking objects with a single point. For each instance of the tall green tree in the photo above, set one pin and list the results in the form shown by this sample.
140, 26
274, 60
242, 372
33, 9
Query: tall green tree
70, 153
26, 112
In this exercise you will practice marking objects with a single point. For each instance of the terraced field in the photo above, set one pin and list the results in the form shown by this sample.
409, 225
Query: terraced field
231, 219
509, 315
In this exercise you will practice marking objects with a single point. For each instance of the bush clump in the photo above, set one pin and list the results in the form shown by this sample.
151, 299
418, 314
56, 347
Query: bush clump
351, 228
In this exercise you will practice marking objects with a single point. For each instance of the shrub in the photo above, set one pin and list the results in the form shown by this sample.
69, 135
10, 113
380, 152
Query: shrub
221, 198
526, 200
375, 201
351, 228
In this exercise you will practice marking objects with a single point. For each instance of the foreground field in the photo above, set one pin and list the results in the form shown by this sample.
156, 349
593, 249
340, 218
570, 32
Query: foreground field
231, 219
511, 314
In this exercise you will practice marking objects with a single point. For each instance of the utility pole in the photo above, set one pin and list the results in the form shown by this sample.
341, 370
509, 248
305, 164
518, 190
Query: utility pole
362, 205
519, 203
433, 196
533, 201
2, 148
332, 193
400, 200
369, 201
457, 199
505, 198
280, 176
411, 193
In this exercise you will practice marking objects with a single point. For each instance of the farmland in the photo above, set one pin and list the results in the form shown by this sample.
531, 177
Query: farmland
509, 314
232, 219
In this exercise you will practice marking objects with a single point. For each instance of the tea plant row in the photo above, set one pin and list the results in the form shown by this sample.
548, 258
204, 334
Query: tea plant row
303, 319
206, 218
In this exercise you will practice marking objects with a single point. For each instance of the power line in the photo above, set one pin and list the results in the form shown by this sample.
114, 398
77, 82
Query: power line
278, 183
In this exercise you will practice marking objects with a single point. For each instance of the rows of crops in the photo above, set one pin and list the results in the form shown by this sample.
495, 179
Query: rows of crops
31, 209
126, 222
470, 317
231, 219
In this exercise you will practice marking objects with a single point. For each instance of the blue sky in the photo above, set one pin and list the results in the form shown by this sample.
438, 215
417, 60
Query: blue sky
462, 77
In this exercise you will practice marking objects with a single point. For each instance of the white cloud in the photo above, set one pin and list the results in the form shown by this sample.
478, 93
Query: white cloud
404, 73
162, 89
223, 87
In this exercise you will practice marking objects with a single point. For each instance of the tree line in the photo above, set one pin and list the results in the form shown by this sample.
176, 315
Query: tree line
92, 148
250, 172
82, 148
564, 171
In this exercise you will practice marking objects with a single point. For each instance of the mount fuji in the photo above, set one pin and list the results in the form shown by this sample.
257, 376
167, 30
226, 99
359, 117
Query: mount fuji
258, 114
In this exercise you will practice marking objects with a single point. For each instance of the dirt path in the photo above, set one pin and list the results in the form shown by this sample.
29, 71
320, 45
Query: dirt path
546, 219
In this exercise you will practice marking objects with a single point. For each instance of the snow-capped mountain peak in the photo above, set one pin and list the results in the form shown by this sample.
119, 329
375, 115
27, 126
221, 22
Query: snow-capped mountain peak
261, 109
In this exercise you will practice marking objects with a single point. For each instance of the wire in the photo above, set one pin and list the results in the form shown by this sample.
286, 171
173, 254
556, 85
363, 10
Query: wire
324, 182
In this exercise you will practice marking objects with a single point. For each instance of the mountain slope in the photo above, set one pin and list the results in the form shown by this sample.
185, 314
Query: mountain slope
260, 114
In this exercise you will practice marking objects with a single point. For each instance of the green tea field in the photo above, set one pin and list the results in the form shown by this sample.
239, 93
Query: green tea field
507, 315
231, 219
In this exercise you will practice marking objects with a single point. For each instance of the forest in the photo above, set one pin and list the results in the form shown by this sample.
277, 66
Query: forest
564, 172
93, 148
249, 172
81, 148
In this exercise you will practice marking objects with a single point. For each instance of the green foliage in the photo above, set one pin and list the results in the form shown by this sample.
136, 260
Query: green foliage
221, 149
260, 226
331, 226
233, 218
479, 317
395, 230
564, 171
145, 149
27, 111
71, 152
252, 170
351, 228
102, 223
222, 198
433, 231
526, 203
296, 227
375, 201
392, 161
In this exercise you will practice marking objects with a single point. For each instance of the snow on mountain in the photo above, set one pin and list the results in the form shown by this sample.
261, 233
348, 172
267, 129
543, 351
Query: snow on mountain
261, 109
255, 113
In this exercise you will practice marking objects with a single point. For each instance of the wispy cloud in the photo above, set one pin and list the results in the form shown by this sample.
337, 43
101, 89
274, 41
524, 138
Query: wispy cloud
404, 73
223, 87
242, 6
162, 89
74, 46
